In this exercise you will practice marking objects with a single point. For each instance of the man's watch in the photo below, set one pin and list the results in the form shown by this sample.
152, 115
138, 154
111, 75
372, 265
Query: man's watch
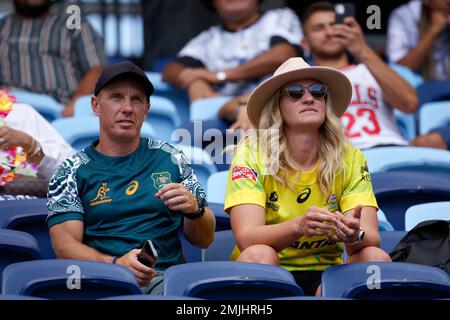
359, 238
200, 211
221, 76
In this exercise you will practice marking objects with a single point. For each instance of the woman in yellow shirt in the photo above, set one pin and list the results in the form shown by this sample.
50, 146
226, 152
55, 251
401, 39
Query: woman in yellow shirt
297, 191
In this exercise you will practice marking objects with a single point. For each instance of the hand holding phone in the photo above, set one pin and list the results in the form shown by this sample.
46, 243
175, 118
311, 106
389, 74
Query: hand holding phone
344, 10
148, 255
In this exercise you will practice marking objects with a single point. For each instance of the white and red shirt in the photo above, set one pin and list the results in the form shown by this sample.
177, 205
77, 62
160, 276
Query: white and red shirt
368, 120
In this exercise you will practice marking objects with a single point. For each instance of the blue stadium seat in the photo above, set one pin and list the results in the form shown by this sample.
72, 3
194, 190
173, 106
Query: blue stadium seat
178, 97
222, 218
396, 281
433, 90
389, 239
163, 115
216, 187
229, 280
426, 160
191, 253
80, 132
29, 216
413, 78
16, 246
426, 211
46, 105
406, 123
200, 161
68, 279
383, 223
221, 248
397, 191
207, 108
433, 115
17, 297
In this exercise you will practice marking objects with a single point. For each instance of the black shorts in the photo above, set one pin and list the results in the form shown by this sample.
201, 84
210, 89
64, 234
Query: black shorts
309, 281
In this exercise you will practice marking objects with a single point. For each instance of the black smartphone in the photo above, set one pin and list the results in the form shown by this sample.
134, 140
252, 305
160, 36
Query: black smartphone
344, 10
148, 255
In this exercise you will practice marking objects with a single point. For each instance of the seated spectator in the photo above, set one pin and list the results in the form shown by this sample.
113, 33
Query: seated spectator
298, 192
418, 37
39, 53
24, 127
377, 89
438, 138
107, 200
232, 58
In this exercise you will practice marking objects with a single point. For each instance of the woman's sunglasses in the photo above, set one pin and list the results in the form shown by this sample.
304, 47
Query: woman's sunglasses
296, 91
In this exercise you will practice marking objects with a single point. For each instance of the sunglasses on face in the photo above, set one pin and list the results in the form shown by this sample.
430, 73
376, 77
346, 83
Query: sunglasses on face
296, 91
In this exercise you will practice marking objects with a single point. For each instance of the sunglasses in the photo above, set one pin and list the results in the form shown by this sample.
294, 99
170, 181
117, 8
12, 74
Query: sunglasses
296, 91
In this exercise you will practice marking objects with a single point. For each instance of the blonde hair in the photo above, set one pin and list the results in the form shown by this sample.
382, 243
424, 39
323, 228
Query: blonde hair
428, 67
274, 147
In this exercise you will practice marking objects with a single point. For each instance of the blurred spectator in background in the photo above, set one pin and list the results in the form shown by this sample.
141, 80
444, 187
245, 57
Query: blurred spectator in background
39, 53
232, 58
22, 126
418, 37
369, 120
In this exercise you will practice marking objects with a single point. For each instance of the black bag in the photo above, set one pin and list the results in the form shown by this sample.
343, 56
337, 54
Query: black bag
428, 243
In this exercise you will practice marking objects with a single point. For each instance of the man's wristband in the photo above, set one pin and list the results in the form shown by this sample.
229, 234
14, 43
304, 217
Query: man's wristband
114, 259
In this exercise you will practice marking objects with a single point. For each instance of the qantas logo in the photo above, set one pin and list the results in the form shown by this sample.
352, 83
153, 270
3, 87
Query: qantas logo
244, 173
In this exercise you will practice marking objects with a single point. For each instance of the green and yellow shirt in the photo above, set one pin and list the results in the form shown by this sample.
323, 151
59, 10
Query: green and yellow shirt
115, 198
248, 184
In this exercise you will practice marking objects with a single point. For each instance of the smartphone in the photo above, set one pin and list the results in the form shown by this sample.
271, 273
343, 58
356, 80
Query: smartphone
344, 10
148, 255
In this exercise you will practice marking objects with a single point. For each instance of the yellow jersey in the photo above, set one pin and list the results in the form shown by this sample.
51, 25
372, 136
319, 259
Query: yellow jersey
248, 184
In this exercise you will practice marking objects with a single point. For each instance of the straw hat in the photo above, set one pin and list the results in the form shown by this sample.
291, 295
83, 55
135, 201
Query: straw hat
339, 87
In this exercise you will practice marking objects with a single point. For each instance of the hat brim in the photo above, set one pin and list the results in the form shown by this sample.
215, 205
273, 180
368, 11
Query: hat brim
148, 86
339, 89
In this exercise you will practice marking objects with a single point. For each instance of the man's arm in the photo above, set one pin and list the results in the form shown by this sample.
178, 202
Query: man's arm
200, 232
67, 242
396, 91
86, 86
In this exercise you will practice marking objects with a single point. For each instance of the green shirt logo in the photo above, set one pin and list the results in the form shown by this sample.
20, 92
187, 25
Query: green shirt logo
160, 179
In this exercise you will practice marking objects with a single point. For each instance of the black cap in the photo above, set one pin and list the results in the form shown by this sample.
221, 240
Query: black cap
127, 70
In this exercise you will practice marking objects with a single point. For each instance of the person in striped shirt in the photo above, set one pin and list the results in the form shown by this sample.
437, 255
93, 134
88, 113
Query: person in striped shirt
41, 54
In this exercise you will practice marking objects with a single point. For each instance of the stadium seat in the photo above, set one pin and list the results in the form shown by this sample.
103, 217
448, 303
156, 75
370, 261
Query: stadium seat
46, 105
221, 248
216, 187
433, 115
433, 90
200, 161
389, 239
28, 216
163, 115
426, 160
383, 223
426, 211
191, 253
221, 280
397, 191
385, 281
178, 97
68, 279
80, 132
207, 108
413, 78
17, 297
16, 246
222, 218
406, 123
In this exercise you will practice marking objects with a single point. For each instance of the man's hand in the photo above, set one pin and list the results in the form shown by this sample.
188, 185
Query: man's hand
189, 75
200, 89
350, 35
68, 111
242, 122
347, 226
142, 273
316, 222
10, 137
177, 198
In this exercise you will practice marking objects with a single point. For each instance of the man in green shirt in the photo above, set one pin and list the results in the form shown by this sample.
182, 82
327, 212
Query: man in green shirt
107, 200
